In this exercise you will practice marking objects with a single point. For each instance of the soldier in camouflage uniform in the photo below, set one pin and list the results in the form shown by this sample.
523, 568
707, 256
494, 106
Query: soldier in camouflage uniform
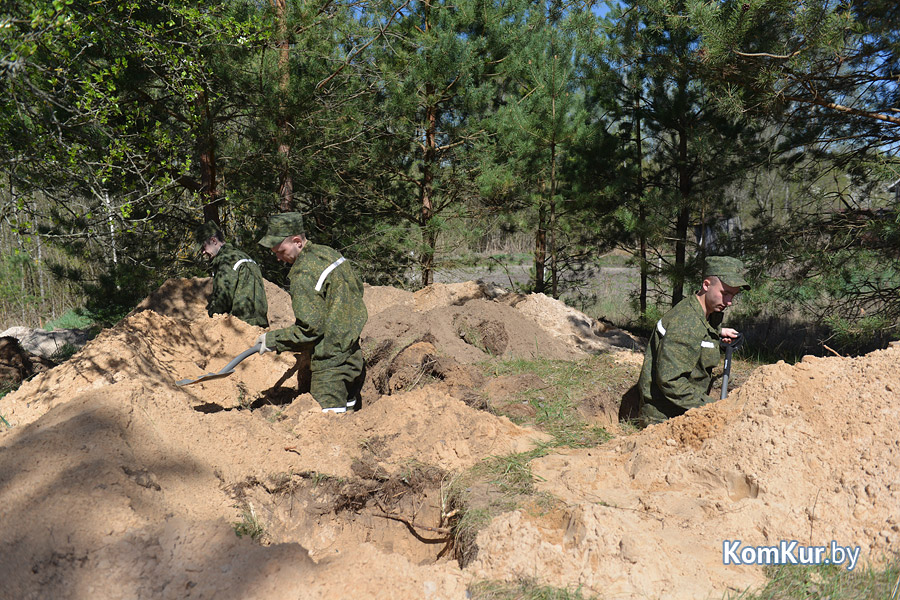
327, 298
684, 347
237, 281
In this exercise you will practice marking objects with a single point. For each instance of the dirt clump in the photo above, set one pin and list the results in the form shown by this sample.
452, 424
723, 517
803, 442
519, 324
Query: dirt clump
485, 334
418, 365
506, 394
16, 364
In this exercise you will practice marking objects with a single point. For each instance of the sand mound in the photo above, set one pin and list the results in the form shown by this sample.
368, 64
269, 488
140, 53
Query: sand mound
150, 347
422, 425
536, 325
186, 299
806, 452
576, 328
117, 483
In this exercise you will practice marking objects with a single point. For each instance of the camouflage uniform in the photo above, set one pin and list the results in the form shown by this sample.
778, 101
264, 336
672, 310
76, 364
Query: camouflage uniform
677, 371
684, 349
327, 299
238, 287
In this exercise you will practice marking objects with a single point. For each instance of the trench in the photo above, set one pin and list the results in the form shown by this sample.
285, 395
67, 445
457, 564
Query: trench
398, 512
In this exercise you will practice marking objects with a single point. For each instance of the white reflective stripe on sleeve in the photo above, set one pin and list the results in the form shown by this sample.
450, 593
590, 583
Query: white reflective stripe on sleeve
705, 344
242, 261
660, 328
327, 272
339, 409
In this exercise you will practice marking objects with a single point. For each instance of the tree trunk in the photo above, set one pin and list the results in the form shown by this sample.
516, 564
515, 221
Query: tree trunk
209, 194
540, 247
286, 180
112, 226
639, 193
554, 268
429, 154
683, 220
425, 190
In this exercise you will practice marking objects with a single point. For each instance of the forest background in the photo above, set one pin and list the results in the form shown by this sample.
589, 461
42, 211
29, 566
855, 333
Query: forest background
423, 137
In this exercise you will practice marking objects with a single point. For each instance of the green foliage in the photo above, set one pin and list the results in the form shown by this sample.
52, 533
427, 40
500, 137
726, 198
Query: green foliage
548, 148
411, 135
115, 293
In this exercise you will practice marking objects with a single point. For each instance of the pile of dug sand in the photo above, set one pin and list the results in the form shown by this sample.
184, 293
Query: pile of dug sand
807, 452
474, 321
444, 331
186, 299
115, 482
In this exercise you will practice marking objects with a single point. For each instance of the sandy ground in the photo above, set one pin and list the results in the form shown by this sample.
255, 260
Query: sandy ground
117, 483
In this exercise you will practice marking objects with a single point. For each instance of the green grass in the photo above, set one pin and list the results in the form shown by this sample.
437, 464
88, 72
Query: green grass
249, 524
64, 353
496, 485
521, 590
567, 386
797, 582
511, 473
72, 319
5, 388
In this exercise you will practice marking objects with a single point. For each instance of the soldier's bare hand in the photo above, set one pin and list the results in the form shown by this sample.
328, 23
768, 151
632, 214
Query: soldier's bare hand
729, 335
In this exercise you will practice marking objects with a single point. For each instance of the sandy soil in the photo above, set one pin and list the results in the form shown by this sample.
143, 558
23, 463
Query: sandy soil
117, 483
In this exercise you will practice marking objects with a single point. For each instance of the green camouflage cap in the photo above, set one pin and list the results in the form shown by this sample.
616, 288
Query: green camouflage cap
281, 226
206, 231
730, 271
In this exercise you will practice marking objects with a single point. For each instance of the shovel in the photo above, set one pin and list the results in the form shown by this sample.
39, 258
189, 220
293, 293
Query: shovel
729, 348
226, 370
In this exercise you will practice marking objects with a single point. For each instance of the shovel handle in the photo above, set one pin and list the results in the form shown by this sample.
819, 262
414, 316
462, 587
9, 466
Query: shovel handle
237, 359
730, 347
226, 370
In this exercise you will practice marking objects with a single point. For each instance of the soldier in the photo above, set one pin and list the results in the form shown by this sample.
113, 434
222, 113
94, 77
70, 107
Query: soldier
327, 299
237, 281
684, 347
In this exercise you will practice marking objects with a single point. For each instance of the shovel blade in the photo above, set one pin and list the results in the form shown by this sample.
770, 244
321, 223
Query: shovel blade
206, 377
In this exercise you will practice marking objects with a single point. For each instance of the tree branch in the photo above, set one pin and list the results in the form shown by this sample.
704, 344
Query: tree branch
845, 109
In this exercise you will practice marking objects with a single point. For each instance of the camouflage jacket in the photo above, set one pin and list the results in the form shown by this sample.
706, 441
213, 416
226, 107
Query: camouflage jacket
681, 354
327, 298
238, 287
